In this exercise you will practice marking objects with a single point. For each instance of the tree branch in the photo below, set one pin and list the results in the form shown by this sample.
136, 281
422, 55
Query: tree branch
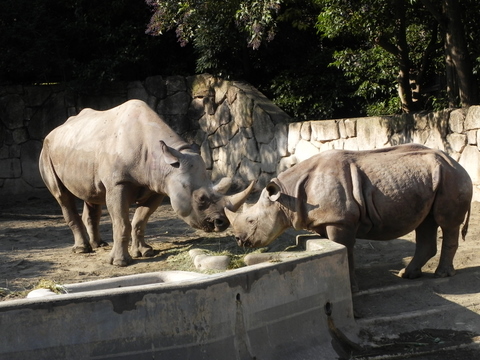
386, 44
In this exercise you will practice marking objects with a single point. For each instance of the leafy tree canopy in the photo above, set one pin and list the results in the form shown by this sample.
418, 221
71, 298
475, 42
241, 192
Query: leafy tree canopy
408, 46
397, 55
316, 59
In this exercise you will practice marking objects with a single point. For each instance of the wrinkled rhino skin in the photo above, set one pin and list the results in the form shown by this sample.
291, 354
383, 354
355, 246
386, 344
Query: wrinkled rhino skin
378, 195
122, 156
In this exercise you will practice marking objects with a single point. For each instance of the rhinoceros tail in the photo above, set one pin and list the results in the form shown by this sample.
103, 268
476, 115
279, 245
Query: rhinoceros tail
465, 226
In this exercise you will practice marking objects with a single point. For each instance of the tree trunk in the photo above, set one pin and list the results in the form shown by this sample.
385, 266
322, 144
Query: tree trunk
451, 79
457, 56
404, 88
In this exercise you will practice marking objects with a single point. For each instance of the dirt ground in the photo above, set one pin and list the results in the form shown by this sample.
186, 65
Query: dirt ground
35, 245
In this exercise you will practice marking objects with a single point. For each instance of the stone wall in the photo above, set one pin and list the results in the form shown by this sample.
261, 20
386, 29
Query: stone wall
455, 131
241, 133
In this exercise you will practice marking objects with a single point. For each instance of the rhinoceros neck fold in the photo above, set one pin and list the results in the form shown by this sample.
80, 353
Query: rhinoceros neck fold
289, 205
157, 173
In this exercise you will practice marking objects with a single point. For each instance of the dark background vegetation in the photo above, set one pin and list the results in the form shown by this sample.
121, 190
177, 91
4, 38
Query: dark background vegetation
316, 59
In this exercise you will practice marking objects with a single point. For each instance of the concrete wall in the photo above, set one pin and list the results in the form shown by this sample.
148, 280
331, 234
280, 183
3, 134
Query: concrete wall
241, 133
241, 314
455, 131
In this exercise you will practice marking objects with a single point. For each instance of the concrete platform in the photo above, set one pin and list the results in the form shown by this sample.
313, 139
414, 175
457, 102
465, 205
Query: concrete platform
299, 308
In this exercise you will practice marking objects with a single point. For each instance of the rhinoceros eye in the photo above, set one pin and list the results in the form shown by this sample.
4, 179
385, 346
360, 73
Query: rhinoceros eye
203, 201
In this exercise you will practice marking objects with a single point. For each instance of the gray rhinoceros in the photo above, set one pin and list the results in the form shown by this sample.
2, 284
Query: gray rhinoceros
122, 156
378, 195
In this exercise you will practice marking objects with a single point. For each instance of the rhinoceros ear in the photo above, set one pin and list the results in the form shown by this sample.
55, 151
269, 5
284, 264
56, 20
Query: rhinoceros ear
195, 148
273, 191
170, 155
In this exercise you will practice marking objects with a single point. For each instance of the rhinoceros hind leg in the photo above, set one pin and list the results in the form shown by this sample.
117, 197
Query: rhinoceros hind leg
426, 248
91, 219
66, 200
449, 248
67, 203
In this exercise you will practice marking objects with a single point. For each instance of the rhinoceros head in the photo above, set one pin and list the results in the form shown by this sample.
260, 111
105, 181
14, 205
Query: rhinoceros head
261, 223
192, 194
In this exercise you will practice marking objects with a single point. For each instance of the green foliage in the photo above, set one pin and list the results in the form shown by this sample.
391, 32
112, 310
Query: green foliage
305, 95
367, 70
257, 20
388, 106
316, 59
234, 40
296, 73
217, 29
373, 62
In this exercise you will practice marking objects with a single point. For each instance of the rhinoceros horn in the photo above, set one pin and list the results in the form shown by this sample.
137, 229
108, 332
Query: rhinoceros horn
223, 185
233, 202
231, 216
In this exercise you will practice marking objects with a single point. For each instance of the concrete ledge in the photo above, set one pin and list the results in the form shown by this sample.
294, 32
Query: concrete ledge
300, 308
156, 278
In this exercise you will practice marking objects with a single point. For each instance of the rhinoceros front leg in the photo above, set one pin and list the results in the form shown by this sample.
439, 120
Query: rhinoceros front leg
345, 236
426, 248
139, 222
91, 219
118, 202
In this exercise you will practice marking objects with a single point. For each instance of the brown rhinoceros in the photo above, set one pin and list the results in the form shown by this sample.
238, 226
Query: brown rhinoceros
378, 195
122, 156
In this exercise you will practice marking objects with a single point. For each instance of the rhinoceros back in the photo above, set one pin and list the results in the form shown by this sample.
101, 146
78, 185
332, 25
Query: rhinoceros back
400, 187
115, 145
387, 192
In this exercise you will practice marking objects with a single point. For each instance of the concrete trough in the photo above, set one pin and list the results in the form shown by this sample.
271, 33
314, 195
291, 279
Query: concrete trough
152, 279
299, 308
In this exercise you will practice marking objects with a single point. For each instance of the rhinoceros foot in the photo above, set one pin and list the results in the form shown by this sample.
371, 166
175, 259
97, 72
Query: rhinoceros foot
99, 244
82, 249
121, 262
410, 274
442, 272
143, 251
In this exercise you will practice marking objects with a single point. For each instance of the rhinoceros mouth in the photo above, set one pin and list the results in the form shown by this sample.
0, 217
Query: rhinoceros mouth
214, 225
243, 242
248, 239
220, 224
207, 226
